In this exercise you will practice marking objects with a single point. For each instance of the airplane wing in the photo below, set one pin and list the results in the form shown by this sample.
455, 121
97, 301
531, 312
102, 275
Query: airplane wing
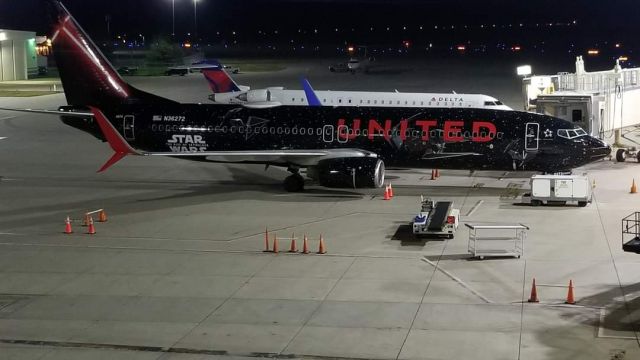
279, 156
261, 104
447, 155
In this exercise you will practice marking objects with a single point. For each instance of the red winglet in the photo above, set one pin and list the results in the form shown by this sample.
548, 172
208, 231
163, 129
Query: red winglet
117, 143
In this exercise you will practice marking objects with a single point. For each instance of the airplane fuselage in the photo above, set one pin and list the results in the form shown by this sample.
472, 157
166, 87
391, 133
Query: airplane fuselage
463, 138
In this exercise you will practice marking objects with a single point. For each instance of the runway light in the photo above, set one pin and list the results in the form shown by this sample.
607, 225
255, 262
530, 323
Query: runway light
523, 70
593, 52
461, 48
618, 46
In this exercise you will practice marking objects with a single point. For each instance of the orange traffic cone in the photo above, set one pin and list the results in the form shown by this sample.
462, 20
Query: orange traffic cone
534, 293
67, 226
293, 247
433, 174
102, 217
305, 245
570, 299
92, 229
386, 194
275, 244
634, 189
390, 190
266, 240
321, 249
85, 221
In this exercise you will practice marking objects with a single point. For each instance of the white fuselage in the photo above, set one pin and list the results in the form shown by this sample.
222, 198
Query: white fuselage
271, 97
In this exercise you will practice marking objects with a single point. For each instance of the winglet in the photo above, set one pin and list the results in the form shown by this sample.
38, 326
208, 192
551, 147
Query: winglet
118, 144
312, 98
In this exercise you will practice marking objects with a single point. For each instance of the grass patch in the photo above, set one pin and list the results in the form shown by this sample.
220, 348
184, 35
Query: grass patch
44, 78
26, 93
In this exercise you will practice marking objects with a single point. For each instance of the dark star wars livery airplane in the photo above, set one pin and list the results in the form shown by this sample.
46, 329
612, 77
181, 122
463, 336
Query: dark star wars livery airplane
339, 146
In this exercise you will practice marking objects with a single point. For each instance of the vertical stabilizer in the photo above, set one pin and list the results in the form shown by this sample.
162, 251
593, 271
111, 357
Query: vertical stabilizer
87, 76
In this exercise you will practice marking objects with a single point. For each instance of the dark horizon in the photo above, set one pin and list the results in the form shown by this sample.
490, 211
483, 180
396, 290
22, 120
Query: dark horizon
139, 16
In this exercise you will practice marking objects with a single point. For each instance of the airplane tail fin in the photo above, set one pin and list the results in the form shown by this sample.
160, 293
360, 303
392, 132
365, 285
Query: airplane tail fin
220, 81
312, 98
87, 76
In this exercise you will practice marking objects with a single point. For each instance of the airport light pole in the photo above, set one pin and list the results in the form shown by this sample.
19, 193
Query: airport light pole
195, 17
173, 17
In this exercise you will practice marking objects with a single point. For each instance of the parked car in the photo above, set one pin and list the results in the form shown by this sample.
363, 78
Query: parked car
231, 69
125, 70
176, 71
341, 67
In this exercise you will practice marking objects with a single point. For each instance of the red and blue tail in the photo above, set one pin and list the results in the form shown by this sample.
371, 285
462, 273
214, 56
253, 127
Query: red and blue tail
87, 76
219, 81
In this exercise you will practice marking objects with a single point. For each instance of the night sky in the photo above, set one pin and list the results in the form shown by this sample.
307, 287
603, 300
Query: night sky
152, 17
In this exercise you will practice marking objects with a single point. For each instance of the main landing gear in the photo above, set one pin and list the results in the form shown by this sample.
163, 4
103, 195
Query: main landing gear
294, 182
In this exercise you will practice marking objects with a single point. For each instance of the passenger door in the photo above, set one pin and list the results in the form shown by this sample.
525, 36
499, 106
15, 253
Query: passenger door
129, 127
532, 137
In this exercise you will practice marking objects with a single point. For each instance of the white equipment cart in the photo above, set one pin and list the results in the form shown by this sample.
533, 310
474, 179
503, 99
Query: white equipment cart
496, 239
561, 189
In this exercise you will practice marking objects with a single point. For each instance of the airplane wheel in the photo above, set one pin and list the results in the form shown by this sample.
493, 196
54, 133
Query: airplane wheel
294, 183
621, 155
536, 202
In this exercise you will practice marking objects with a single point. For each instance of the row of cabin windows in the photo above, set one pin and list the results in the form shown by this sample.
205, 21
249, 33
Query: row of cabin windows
375, 102
390, 102
416, 133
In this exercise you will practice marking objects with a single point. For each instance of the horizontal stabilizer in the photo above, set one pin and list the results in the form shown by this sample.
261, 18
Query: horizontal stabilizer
51, 112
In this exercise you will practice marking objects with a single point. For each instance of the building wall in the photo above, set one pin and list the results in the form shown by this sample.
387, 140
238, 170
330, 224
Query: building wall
16, 48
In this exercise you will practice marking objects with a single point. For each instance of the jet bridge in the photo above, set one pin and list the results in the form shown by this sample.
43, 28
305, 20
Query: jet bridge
603, 103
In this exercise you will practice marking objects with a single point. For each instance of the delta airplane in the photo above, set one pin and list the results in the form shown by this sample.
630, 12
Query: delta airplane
226, 91
341, 146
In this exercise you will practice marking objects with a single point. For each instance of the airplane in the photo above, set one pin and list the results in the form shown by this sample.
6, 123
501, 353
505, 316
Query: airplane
343, 146
227, 91
200, 66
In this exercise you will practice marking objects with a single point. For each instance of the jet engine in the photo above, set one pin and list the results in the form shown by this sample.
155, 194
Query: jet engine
365, 172
262, 95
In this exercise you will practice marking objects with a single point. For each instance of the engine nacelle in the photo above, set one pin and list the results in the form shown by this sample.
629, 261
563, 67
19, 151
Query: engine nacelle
366, 172
258, 96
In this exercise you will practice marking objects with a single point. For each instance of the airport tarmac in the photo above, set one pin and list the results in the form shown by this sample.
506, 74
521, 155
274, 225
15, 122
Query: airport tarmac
178, 270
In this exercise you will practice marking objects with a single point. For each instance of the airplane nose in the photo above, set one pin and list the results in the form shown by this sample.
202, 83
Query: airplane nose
599, 149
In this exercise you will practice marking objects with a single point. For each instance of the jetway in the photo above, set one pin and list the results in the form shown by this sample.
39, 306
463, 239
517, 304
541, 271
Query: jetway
603, 103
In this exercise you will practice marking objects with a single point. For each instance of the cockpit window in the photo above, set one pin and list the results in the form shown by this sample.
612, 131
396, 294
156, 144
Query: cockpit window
489, 103
499, 103
571, 133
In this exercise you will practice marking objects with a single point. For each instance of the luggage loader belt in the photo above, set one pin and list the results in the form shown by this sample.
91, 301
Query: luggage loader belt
439, 216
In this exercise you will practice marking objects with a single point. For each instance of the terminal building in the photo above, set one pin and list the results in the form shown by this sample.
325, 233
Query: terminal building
18, 56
